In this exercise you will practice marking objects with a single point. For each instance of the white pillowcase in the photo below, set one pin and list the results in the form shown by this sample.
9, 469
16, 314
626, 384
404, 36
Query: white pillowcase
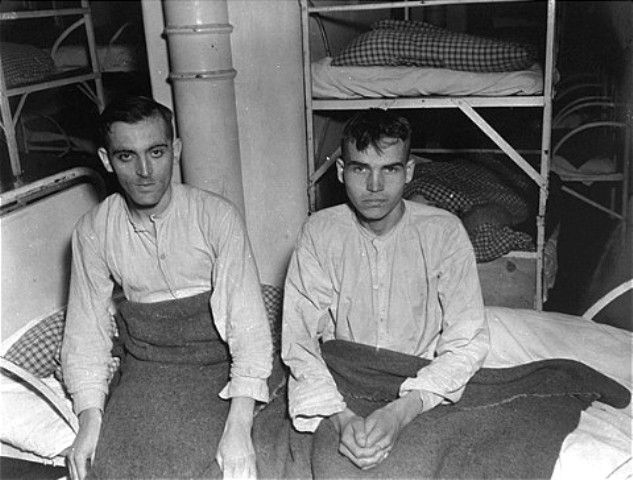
29, 423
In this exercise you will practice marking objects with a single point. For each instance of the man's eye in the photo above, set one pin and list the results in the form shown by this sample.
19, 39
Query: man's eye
157, 153
124, 157
358, 169
391, 169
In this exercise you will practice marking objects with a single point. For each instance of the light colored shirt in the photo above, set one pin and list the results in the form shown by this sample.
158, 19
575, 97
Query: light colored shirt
200, 245
414, 290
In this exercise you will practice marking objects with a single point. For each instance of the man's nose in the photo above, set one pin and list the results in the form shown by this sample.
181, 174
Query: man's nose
375, 182
143, 167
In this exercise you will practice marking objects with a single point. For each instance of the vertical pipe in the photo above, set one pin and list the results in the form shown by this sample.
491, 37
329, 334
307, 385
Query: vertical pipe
202, 73
157, 60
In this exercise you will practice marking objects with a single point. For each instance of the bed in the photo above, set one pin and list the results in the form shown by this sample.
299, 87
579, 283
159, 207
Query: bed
38, 422
400, 63
114, 56
26, 69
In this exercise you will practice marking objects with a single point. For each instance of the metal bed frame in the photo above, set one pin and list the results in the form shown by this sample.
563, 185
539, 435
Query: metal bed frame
11, 118
467, 105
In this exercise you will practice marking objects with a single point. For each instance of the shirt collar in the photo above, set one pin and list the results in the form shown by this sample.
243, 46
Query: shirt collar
371, 236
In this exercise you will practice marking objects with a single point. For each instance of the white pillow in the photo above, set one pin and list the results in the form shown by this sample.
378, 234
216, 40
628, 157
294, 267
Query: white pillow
29, 423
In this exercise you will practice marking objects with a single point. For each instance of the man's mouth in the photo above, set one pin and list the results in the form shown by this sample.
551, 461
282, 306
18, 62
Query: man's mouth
373, 202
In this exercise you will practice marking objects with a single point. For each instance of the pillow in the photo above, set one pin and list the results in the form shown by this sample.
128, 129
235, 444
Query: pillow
273, 300
29, 423
409, 43
37, 350
25, 64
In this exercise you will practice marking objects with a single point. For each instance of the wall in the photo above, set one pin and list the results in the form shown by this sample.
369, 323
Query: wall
266, 45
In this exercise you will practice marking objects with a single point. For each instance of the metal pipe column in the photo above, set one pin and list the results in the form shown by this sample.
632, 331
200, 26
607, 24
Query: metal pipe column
202, 74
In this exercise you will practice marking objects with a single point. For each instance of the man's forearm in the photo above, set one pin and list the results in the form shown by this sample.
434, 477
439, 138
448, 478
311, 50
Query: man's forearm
241, 411
407, 407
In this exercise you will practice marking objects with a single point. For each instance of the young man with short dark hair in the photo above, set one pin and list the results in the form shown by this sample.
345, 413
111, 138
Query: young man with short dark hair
193, 323
391, 276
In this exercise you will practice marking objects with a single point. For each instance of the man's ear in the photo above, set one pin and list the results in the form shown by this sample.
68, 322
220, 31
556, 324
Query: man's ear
103, 156
409, 169
340, 168
177, 148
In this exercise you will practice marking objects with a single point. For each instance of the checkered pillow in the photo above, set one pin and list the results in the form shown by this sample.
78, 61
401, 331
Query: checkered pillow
37, 351
458, 185
273, 300
25, 64
418, 44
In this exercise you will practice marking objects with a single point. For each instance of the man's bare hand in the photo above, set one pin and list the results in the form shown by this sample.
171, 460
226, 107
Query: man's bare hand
353, 438
236, 454
384, 425
82, 452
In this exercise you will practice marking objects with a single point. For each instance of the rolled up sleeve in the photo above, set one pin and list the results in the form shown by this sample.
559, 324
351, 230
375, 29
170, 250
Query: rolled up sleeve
312, 392
239, 313
464, 342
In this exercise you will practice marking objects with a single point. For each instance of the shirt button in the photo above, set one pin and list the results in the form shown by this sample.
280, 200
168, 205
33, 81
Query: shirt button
162, 256
375, 287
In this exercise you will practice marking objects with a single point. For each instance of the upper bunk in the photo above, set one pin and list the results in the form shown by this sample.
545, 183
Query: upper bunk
29, 66
406, 63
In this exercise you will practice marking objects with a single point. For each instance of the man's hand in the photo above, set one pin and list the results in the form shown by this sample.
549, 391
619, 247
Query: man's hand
236, 454
383, 426
82, 452
353, 438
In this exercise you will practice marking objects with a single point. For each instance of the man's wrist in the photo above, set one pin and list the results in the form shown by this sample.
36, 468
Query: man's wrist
90, 416
241, 411
409, 406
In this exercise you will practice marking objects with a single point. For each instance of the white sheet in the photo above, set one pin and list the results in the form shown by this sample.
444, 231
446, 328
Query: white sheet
380, 82
600, 447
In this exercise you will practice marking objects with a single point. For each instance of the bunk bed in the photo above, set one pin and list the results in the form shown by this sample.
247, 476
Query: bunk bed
25, 68
516, 279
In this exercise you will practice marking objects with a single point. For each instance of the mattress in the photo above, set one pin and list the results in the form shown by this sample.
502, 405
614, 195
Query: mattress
112, 58
389, 82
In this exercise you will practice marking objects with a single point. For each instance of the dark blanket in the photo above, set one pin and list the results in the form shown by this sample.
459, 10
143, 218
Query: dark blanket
163, 417
510, 423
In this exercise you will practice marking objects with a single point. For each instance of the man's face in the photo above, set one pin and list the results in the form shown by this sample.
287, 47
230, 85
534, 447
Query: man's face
141, 155
375, 181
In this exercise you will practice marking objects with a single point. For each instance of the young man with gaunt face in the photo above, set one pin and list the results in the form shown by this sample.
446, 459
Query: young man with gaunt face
390, 275
197, 343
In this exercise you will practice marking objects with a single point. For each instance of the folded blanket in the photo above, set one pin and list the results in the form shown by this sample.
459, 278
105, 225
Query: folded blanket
510, 423
411, 43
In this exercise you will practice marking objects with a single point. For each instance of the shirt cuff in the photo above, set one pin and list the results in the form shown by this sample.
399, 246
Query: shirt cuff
309, 401
255, 388
88, 399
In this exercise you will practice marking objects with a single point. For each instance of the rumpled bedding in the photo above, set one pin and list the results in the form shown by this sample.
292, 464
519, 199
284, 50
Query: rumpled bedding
509, 423
420, 44
490, 197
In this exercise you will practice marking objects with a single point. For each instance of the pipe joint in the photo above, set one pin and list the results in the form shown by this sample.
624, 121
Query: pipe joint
213, 28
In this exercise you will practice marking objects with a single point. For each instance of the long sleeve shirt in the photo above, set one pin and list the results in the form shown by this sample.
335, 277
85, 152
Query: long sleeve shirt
414, 290
200, 244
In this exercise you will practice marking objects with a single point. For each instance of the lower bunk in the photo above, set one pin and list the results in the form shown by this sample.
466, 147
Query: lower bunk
38, 422
497, 204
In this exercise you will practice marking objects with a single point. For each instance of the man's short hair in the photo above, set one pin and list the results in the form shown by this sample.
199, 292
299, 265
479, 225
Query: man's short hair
132, 109
370, 127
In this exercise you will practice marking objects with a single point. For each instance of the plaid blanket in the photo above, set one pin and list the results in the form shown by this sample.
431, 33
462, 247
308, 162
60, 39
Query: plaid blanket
411, 43
460, 185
